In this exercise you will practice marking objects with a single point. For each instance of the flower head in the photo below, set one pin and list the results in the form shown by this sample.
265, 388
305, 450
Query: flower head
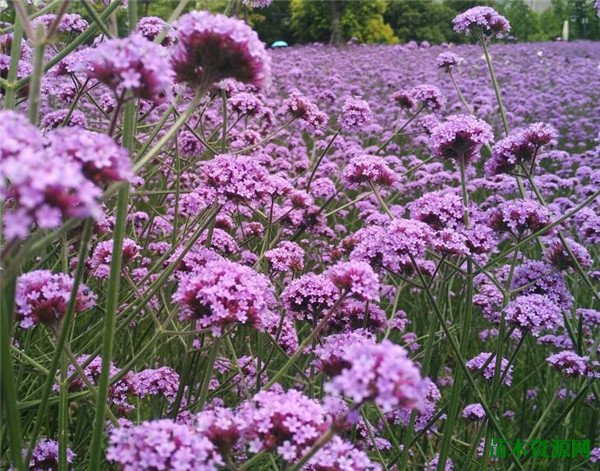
484, 19
286, 257
356, 114
224, 293
476, 364
448, 60
213, 47
43, 297
460, 138
309, 295
381, 373
152, 26
355, 278
369, 168
162, 444
570, 364
132, 65
45, 456
533, 313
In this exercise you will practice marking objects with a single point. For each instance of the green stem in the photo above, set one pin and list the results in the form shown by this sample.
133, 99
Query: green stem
488, 60
62, 337
314, 171
9, 389
112, 305
36, 78
10, 99
208, 372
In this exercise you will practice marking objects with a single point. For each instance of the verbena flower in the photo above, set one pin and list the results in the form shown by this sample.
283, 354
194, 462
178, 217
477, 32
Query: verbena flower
162, 444
69, 22
355, 278
369, 168
287, 423
438, 209
45, 454
481, 19
286, 257
99, 263
309, 295
212, 47
163, 382
519, 217
151, 27
356, 114
448, 61
474, 412
330, 355
460, 138
235, 178
381, 373
55, 119
533, 313
43, 297
102, 160
339, 454
221, 426
476, 363
301, 107
519, 149
223, 293
134, 66
571, 365
423, 416
559, 256
428, 96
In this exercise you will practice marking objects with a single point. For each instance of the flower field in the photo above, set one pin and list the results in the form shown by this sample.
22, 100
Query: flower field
369, 257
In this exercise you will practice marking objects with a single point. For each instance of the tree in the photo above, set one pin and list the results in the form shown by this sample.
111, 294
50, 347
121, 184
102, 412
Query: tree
420, 20
524, 22
339, 20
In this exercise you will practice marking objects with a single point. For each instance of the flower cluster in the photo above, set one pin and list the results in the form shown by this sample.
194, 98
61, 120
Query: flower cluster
460, 138
485, 364
533, 313
368, 168
570, 364
285, 422
355, 278
356, 114
224, 293
162, 444
381, 373
43, 297
483, 20
45, 456
286, 257
309, 295
518, 217
213, 47
132, 65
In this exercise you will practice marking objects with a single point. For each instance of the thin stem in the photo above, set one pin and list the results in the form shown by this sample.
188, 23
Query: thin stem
314, 171
488, 60
10, 98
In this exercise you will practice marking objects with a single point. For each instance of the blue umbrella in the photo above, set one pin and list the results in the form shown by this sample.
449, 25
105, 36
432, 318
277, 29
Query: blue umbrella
279, 44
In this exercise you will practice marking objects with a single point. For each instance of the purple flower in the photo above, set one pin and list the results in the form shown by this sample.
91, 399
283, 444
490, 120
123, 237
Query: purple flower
235, 178
43, 189
355, 278
438, 209
309, 295
246, 104
224, 293
533, 313
369, 168
571, 365
519, 149
460, 138
162, 444
425, 415
132, 65
476, 364
340, 455
474, 412
381, 373
428, 96
448, 60
590, 317
330, 356
284, 422
557, 254
163, 381
45, 456
43, 297
213, 47
484, 20
151, 27
286, 257
17, 134
221, 426
404, 98
103, 161
55, 119
519, 216
303, 108
433, 464
99, 263
69, 22
189, 145
356, 114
